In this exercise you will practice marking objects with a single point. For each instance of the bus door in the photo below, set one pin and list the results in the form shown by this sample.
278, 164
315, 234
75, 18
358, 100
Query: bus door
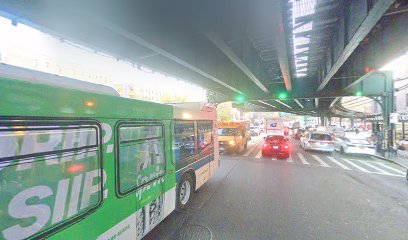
205, 138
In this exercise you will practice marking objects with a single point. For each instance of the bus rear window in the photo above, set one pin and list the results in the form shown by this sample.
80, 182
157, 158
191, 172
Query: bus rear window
49, 175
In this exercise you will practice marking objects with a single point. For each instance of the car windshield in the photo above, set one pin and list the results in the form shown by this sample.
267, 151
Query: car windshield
275, 139
321, 137
227, 132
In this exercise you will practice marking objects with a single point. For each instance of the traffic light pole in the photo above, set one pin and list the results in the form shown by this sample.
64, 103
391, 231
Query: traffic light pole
387, 105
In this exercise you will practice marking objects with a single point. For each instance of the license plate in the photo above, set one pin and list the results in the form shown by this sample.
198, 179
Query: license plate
275, 147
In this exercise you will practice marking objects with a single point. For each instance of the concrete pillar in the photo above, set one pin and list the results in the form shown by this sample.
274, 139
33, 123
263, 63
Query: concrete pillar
322, 121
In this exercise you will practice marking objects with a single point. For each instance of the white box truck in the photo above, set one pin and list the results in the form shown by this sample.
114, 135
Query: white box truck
275, 126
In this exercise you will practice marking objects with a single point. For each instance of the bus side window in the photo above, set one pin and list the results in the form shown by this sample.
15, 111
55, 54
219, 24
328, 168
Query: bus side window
141, 155
50, 174
184, 144
205, 137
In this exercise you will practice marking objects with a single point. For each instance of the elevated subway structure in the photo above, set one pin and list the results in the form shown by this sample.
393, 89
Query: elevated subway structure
313, 51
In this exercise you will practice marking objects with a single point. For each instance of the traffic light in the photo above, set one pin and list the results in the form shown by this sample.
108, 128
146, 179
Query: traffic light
239, 99
282, 95
359, 93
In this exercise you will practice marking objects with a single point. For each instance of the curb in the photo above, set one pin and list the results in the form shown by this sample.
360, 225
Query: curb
391, 161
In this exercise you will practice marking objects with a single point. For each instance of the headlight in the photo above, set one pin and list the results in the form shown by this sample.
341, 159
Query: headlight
232, 142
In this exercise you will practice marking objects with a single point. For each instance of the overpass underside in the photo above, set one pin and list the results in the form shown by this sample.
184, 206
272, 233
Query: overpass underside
296, 56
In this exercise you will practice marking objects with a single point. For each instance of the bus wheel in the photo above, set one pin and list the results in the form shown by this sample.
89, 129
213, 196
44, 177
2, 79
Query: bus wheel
184, 190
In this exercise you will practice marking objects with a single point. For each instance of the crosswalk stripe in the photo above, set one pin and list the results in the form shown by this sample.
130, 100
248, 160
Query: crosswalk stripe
252, 149
290, 159
323, 163
393, 169
259, 154
338, 163
372, 166
356, 166
302, 158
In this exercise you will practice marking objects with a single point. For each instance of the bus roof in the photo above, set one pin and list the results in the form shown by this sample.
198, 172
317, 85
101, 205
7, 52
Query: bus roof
28, 75
29, 98
189, 112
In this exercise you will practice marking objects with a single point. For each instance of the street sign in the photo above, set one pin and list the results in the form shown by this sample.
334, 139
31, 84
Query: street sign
403, 117
394, 118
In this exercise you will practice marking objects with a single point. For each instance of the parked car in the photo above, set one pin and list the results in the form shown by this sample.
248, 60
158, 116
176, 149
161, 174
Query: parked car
354, 146
276, 145
319, 141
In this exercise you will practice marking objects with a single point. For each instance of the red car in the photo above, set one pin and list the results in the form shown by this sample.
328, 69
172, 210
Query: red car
276, 145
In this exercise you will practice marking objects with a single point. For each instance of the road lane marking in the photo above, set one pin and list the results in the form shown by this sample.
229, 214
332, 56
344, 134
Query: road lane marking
323, 163
376, 168
302, 158
252, 149
259, 154
274, 158
338, 163
290, 159
393, 169
356, 166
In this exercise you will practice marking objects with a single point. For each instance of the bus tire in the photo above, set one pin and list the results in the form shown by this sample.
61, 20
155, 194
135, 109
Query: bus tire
185, 188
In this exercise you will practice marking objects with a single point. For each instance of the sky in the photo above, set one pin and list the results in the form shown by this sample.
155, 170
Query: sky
22, 39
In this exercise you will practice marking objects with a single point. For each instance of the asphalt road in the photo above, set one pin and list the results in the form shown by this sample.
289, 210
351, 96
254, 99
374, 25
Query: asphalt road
308, 196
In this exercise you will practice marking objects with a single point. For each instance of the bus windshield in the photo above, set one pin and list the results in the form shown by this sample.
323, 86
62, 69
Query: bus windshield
227, 131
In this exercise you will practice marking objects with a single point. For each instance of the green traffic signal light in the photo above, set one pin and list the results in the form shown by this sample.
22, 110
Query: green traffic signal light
282, 95
240, 99
359, 93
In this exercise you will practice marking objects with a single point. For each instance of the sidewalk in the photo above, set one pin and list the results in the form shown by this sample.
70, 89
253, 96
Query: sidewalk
400, 159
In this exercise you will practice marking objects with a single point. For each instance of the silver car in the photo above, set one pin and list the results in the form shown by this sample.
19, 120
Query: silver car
319, 141
354, 146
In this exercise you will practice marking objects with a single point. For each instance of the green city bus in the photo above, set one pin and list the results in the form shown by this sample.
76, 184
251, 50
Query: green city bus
79, 162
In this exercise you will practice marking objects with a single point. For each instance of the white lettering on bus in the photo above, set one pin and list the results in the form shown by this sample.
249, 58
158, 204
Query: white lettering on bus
7, 148
108, 132
60, 200
90, 188
19, 209
73, 203
108, 135
30, 143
